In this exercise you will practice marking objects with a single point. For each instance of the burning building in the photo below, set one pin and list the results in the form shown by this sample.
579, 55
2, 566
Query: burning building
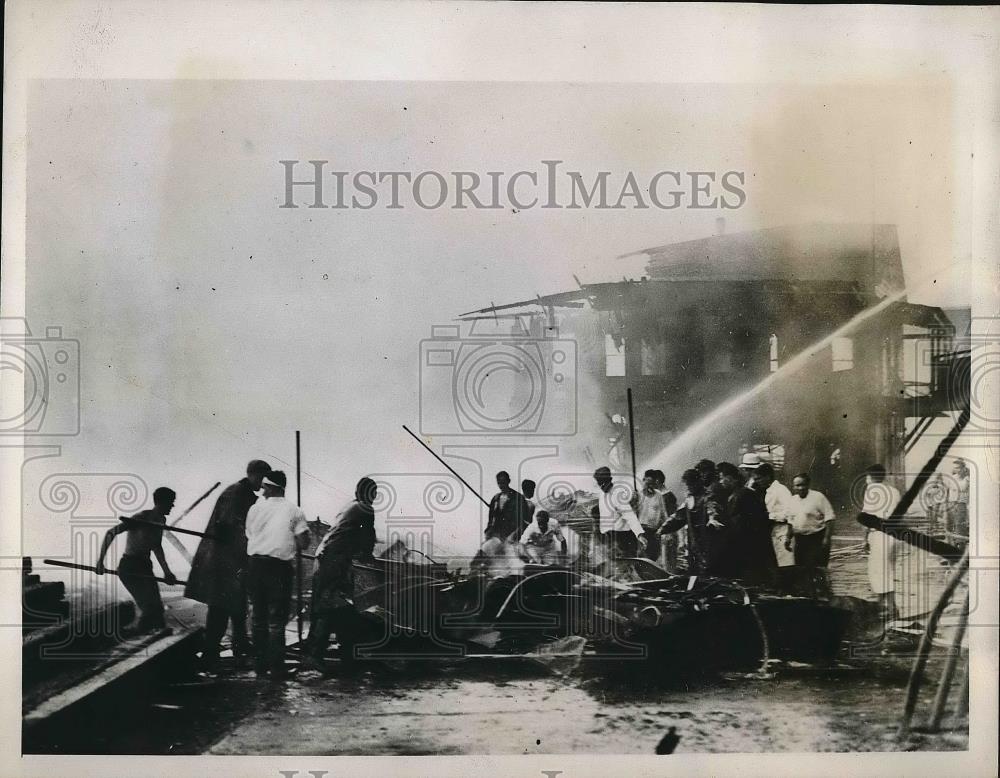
795, 342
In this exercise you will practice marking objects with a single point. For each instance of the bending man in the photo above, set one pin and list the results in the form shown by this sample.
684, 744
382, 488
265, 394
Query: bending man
332, 608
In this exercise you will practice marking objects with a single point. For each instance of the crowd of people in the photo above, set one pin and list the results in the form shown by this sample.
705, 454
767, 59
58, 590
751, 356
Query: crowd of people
737, 522
247, 557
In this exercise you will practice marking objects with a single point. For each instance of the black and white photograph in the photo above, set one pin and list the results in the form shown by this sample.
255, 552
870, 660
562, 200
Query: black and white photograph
545, 389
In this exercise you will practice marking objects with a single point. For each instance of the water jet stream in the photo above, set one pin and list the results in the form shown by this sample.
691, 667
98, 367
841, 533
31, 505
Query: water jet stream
691, 435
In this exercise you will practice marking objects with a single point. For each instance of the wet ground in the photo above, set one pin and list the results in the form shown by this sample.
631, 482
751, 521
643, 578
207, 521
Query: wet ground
516, 706
479, 707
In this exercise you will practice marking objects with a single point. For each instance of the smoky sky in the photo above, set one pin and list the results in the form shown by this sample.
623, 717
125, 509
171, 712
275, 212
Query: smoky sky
213, 324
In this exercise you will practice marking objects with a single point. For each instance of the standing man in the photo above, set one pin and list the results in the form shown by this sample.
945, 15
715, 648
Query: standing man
652, 512
617, 523
692, 516
218, 572
332, 608
135, 569
276, 528
508, 511
528, 491
748, 532
881, 500
673, 545
776, 500
812, 518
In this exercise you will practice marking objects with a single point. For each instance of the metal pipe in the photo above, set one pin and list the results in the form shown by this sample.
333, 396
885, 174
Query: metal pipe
298, 554
195, 504
928, 470
631, 437
130, 520
450, 468
917, 671
962, 704
944, 685
901, 532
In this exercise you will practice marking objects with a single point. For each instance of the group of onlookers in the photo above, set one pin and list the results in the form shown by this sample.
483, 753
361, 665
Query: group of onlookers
735, 521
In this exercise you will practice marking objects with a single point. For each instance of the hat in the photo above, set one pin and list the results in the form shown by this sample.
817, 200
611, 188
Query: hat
275, 478
751, 461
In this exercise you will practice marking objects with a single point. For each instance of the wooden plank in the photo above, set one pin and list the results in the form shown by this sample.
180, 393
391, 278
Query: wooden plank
86, 689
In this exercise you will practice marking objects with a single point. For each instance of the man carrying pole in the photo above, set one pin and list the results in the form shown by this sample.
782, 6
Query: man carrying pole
218, 573
136, 568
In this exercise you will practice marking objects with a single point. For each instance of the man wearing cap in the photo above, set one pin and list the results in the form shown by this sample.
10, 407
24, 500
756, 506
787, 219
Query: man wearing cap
332, 608
218, 572
276, 529
135, 569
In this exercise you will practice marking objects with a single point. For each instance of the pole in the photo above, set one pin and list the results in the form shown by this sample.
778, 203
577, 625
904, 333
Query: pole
484, 502
917, 671
918, 483
128, 520
74, 566
196, 503
298, 554
904, 534
631, 434
948, 674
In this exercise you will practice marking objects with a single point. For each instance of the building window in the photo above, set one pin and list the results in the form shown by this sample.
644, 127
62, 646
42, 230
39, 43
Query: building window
773, 341
842, 350
614, 357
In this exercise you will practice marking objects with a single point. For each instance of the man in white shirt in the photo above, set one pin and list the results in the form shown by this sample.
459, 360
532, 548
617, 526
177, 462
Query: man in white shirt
539, 540
776, 500
811, 516
881, 500
652, 512
276, 530
617, 523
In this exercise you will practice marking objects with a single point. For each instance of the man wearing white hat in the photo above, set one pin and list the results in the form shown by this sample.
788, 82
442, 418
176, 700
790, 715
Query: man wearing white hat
276, 529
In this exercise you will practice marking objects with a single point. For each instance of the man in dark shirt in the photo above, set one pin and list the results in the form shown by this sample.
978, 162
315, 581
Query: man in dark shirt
693, 514
332, 608
748, 553
218, 572
508, 511
136, 568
